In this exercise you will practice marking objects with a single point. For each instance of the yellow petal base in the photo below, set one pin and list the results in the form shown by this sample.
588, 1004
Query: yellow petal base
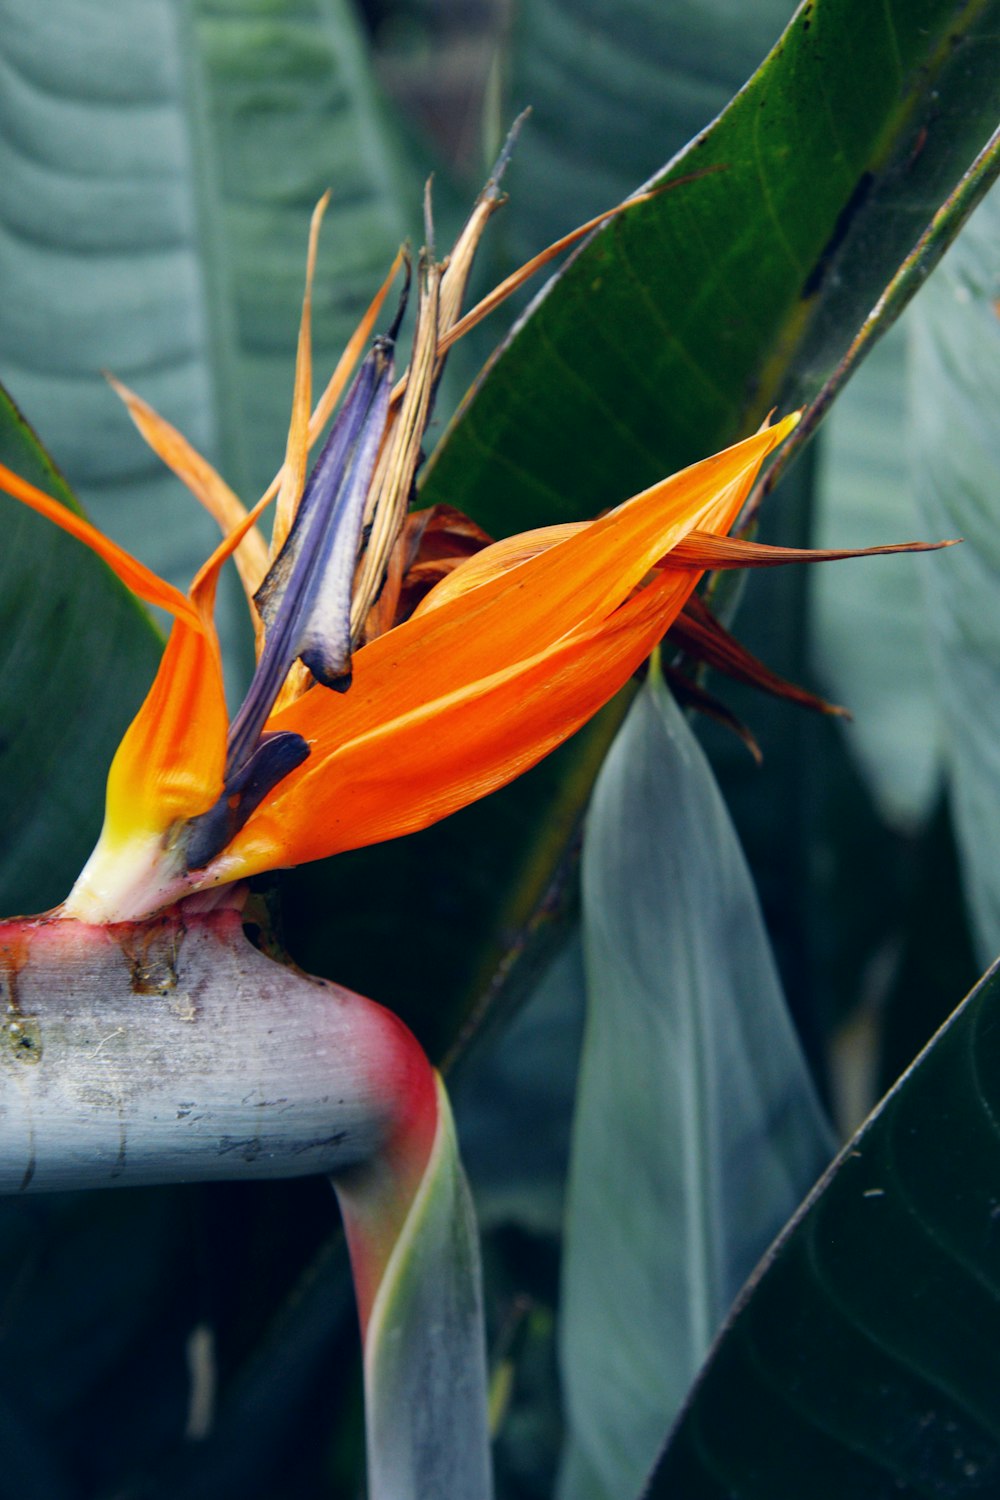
125, 879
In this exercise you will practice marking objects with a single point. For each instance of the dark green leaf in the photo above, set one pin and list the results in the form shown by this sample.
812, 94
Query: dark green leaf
862, 1360
76, 654
614, 91
684, 320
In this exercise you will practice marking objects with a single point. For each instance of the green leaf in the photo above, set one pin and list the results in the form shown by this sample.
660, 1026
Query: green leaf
862, 1359
697, 1129
158, 166
613, 92
871, 646
955, 442
682, 322
76, 655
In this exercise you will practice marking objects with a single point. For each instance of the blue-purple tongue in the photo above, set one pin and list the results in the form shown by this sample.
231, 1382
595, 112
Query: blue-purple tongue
305, 603
305, 599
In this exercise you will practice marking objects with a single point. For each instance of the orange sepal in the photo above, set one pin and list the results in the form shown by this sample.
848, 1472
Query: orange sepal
466, 695
392, 773
198, 475
513, 598
134, 574
169, 765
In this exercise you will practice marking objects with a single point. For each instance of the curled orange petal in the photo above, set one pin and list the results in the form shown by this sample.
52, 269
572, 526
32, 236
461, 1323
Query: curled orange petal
395, 773
466, 695
169, 764
134, 574
223, 505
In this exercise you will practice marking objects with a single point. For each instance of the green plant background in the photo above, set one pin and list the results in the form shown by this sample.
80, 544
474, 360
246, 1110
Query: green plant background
157, 168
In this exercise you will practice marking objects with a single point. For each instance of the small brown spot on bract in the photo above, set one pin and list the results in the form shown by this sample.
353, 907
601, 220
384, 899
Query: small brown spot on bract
22, 1038
151, 949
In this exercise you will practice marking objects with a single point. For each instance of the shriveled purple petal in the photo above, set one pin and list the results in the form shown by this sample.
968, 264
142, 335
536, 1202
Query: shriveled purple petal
305, 600
270, 762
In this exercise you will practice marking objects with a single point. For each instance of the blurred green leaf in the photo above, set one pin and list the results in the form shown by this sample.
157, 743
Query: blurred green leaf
158, 166
613, 92
697, 1129
870, 641
862, 1359
76, 654
681, 323
954, 440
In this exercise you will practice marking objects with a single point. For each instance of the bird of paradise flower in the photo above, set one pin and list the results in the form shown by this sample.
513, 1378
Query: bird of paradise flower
510, 653
364, 720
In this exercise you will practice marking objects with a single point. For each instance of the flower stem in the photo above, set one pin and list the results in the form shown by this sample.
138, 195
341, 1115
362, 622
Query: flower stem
173, 1050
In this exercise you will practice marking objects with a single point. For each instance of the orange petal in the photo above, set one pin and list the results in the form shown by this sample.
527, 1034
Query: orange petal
390, 773
134, 574
169, 765
496, 559
465, 696
207, 486
522, 605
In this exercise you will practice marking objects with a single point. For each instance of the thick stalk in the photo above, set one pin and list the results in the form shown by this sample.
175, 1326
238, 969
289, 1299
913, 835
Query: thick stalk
174, 1050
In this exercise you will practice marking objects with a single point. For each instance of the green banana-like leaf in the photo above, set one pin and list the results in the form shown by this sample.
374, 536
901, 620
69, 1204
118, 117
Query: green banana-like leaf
862, 1358
870, 639
683, 321
697, 1129
76, 654
158, 166
613, 92
954, 439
